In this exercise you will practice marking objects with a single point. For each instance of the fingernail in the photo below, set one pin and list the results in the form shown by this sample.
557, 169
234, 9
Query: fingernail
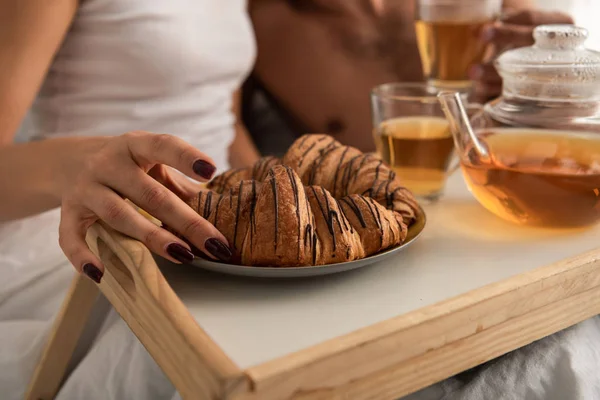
475, 72
180, 253
197, 253
218, 249
204, 169
92, 272
487, 33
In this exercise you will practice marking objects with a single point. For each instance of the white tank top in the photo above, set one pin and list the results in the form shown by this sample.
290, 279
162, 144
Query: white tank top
161, 66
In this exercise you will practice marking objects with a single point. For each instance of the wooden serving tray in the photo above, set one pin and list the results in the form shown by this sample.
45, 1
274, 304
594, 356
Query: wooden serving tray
472, 288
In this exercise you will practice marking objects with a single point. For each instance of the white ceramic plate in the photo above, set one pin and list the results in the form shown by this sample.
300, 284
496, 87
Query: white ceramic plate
300, 272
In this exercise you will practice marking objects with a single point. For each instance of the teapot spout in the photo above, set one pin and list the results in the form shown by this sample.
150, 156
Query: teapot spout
460, 127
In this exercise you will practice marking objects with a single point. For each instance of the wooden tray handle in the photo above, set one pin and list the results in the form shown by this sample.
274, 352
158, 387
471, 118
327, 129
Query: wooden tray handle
128, 263
138, 291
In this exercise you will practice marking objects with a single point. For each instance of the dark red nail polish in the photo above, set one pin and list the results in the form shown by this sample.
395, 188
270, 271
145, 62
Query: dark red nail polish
180, 253
197, 253
204, 169
218, 249
92, 272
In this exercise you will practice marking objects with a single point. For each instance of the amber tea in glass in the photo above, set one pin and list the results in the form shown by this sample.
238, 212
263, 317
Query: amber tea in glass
412, 136
418, 149
449, 38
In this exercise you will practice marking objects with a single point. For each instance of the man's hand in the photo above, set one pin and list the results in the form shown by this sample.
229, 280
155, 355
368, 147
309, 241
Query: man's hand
512, 31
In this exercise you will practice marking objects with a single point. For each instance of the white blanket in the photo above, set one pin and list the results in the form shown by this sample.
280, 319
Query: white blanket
563, 366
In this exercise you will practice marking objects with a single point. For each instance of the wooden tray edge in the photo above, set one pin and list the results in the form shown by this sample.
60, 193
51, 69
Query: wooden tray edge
369, 351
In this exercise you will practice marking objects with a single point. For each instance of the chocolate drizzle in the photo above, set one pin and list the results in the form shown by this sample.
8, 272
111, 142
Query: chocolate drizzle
365, 158
391, 230
307, 233
374, 190
207, 204
389, 196
256, 168
344, 219
262, 166
309, 229
217, 210
303, 140
381, 187
252, 206
349, 201
301, 160
379, 222
392, 195
337, 171
354, 174
237, 213
199, 202
276, 206
342, 174
224, 181
334, 216
231, 174
378, 185
215, 184
377, 169
376, 217
347, 175
328, 215
316, 196
297, 203
314, 247
312, 146
323, 153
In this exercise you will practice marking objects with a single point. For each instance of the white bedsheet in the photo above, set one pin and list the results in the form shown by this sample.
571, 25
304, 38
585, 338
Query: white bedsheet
34, 278
564, 366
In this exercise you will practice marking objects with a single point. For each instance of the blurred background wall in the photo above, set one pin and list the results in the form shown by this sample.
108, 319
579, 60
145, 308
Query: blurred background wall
585, 12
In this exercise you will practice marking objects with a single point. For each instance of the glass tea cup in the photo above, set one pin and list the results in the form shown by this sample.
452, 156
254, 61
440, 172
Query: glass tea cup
413, 137
449, 38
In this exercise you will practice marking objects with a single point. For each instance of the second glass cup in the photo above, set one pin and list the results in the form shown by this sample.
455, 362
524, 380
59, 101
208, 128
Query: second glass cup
449, 38
412, 136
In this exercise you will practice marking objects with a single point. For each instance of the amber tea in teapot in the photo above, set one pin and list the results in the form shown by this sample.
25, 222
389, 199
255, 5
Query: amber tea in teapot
536, 177
532, 156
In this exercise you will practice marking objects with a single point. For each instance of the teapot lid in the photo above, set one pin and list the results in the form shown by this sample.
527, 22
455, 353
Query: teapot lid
556, 68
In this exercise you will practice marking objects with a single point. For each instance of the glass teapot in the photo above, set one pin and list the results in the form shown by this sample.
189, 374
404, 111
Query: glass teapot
532, 156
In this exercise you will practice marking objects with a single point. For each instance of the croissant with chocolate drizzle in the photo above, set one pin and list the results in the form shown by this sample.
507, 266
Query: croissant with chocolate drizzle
322, 203
282, 223
342, 170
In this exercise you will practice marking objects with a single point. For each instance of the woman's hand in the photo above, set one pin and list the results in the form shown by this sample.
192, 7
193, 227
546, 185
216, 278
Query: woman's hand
512, 31
131, 166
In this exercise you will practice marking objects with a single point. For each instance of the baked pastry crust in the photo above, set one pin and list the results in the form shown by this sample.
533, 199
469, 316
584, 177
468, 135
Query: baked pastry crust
343, 170
322, 203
